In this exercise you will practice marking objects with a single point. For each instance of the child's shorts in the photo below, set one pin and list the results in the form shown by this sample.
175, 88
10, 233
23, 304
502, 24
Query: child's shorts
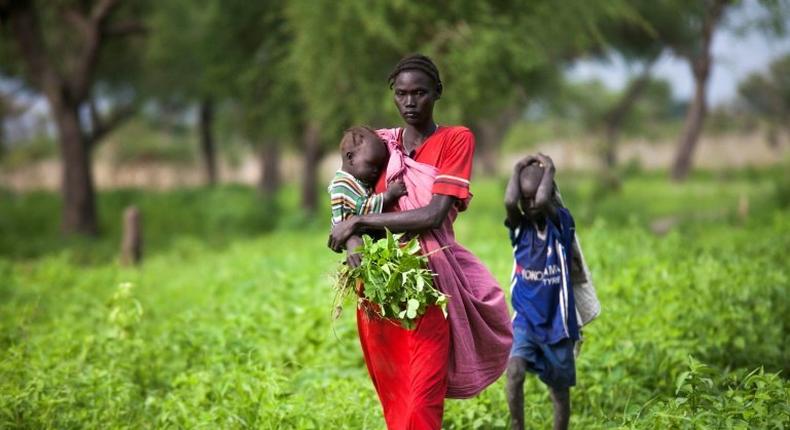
553, 363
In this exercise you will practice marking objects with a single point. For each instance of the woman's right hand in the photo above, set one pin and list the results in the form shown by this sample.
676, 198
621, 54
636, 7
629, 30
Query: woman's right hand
341, 232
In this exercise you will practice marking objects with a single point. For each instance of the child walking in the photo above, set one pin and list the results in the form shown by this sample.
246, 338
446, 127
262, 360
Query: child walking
546, 323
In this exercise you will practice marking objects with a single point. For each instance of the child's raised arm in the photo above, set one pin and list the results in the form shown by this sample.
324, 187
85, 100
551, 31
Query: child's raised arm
546, 188
544, 196
513, 192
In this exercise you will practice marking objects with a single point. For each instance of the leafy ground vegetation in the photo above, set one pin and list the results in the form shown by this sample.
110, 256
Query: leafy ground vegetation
228, 323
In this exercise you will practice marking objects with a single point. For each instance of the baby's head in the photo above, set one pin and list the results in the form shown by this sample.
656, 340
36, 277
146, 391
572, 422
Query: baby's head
529, 181
364, 154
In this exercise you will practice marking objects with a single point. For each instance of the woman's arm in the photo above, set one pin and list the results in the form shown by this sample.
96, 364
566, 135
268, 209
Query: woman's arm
413, 221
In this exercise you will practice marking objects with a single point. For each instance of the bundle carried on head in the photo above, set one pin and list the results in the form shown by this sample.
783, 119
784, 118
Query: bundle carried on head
396, 280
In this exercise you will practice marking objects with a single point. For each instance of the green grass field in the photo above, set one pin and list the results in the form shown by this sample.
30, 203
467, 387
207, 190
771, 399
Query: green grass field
227, 323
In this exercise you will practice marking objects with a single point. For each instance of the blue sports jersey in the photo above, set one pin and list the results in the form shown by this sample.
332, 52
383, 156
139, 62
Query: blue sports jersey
541, 290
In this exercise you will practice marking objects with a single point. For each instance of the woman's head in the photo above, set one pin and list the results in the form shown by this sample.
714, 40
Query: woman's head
417, 85
364, 154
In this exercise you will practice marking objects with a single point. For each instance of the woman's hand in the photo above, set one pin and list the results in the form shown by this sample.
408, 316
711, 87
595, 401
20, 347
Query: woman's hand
341, 232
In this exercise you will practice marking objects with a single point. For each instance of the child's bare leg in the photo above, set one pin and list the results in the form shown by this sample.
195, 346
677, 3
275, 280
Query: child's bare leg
514, 388
561, 400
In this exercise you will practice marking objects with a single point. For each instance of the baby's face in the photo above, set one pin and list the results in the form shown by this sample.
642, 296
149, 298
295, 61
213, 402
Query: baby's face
369, 160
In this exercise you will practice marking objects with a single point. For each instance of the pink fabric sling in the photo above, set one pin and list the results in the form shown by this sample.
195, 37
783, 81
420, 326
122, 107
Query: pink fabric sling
480, 327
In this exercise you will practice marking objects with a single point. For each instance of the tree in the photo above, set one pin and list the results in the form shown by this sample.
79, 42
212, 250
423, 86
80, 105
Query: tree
703, 22
239, 48
494, 57
61, 48
183, 53
264, 91
768, 95
700, 23
636, 42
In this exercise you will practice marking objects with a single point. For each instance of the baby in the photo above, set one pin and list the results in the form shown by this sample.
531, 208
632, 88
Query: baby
364, 157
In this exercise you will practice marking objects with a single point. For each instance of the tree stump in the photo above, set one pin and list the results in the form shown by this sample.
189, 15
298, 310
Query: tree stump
132, 240
743, 207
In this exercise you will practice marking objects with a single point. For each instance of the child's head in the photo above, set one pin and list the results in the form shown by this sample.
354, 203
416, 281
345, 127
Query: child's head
364, 154
529, 181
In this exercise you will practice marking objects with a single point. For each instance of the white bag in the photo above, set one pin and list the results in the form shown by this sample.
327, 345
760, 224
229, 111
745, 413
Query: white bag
587, 305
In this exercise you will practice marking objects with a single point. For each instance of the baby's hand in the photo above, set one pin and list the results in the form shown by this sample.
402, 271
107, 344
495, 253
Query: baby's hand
396, 188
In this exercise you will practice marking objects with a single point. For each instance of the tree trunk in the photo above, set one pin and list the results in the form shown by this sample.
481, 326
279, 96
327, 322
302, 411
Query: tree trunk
65, 93
691, 131
700, 66
489, 136
269, 183
311, 141
613, 121
132, 237
206, 123
3, 112
2, 140
79, 206
771, 136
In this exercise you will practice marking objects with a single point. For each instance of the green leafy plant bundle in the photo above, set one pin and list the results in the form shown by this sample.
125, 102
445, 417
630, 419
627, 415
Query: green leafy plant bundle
396, 279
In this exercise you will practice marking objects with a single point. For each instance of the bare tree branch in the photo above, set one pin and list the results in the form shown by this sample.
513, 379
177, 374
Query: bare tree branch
78, 20
82, 75
27, 32
123, 28
102, 126
94, 112
102, 10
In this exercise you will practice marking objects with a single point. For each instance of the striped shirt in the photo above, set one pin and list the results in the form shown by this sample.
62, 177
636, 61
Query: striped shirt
351, 197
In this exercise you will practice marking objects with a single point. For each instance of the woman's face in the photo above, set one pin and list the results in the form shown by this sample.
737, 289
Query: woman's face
415, 93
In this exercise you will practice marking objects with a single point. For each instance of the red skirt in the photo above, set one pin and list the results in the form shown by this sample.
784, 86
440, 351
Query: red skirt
408, 368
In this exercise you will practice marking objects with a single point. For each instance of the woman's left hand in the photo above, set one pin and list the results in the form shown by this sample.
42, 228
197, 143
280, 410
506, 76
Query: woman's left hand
340, 234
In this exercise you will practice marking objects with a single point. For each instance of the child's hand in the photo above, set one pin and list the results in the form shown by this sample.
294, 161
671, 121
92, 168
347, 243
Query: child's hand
396, 188
353, 260
524, 162
546, 162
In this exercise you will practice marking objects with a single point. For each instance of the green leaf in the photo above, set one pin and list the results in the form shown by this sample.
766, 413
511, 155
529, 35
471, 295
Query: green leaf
411, 310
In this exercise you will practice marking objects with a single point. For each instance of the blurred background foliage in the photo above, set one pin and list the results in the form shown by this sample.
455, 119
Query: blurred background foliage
236, 81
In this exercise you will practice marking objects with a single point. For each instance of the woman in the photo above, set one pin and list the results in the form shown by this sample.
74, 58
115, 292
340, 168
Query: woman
414, 370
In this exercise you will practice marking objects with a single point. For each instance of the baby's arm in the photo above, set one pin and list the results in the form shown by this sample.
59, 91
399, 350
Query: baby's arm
343, 207
395, 190
373, 204
376, 203
353, 259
